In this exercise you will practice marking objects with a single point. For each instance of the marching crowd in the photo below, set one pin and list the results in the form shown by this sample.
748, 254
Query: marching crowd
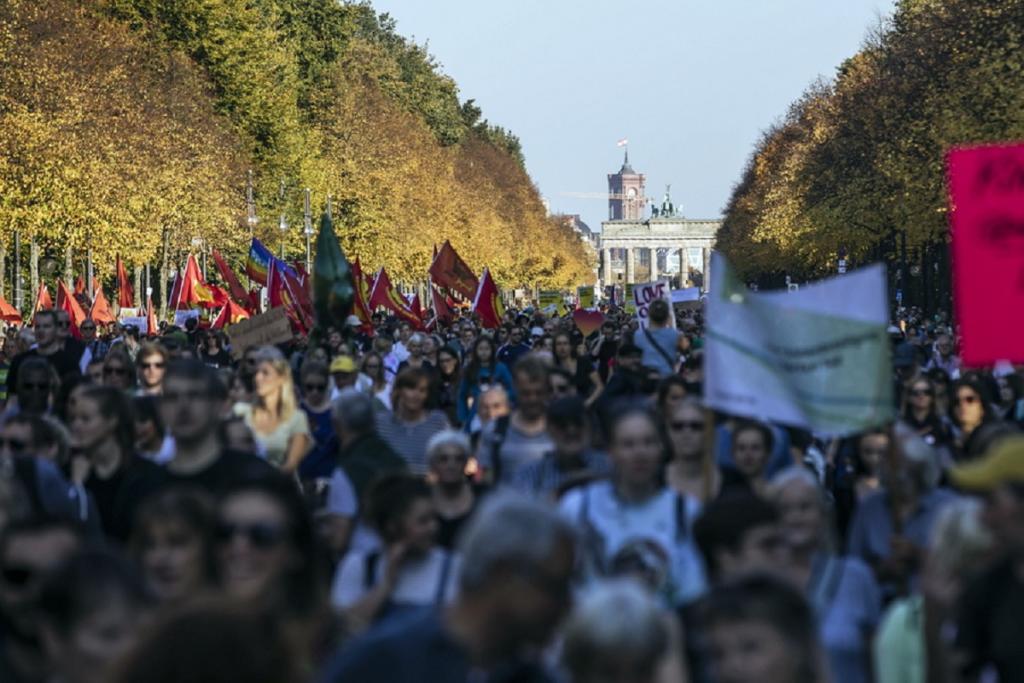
520, 504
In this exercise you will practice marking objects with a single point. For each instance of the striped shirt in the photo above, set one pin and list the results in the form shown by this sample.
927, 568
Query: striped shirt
542, 478
410, 440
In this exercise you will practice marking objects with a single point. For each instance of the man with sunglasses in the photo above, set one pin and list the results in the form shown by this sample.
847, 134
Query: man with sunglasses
49, 347
95, 348
29, 550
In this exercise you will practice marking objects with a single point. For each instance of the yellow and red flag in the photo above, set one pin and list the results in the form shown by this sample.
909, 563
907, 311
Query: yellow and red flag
193, 292
360, 308
487, 302
384, 294
229, 315
449, 270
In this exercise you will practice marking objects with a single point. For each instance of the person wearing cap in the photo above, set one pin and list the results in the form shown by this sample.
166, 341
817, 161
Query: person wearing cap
344, 374
989, 633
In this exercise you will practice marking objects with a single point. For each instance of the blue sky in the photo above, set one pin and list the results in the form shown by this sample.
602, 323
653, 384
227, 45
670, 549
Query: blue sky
691, 83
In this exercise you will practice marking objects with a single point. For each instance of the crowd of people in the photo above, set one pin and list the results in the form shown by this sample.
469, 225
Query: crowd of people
520, 504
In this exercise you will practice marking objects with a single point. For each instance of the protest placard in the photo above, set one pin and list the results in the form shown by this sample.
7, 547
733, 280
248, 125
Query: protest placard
271, 327
551, 300
686, 294
818, 358
986, 188
180, 317
644, 294
585, 297
139, 322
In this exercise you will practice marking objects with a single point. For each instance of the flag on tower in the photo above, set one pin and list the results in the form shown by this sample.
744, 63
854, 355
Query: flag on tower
622, 143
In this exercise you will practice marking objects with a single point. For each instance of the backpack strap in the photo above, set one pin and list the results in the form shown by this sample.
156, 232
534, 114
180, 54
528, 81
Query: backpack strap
498, 439
657, 347
682, 528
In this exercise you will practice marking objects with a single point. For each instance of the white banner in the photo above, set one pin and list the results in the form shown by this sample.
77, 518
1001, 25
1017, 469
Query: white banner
644, 294
817, 358
687, 294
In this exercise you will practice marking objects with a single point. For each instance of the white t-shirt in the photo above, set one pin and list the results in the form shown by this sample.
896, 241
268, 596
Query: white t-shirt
419, 583
649, 528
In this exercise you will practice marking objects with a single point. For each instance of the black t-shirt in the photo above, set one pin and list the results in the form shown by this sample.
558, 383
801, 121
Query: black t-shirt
448, 528
221, 359
118, 498
989, 629
65, 362
222, 472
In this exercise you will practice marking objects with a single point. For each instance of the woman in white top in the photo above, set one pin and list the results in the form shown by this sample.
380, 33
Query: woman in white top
280, 427
635, 515
410, 571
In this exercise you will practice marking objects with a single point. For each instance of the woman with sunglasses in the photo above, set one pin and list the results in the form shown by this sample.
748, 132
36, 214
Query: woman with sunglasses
267, 557
152, 363
970, 408
410, 572
450, 372
635, 509
688, 472
102, 425
921, 413
212, 351
455, 498
280, 428
173, 544
118, 370
314, 383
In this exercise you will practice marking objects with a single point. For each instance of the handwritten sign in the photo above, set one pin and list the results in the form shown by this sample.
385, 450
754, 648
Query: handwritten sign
138, 322
271, 327
551, 300
645, 294
585, 297
986, 188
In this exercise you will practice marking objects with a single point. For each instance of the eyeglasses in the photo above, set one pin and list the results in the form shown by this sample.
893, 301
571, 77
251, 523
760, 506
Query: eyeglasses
693, 426
13, 445
63, 324
18, 576
920, 392
259, 535
120, 372
320, 388
150, 366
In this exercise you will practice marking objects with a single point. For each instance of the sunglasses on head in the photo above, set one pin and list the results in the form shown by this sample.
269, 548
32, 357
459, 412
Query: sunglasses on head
258, 534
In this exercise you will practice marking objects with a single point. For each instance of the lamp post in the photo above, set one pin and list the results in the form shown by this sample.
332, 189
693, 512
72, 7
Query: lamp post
282, 223
250, 207
307, 224
18, 301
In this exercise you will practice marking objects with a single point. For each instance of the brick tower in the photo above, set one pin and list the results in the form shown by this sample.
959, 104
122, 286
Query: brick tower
626, 200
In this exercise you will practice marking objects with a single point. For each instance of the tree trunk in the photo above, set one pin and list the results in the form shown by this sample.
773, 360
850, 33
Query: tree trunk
163, 276
33, 270
137, 288
69, 267
3, 268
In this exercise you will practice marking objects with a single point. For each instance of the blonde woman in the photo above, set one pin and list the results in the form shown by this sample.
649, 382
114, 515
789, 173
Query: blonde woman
281, 429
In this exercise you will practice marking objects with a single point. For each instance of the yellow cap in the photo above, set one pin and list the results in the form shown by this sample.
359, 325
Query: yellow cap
343, 364
1004, 463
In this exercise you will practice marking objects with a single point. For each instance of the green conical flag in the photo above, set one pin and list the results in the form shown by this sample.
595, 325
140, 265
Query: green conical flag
333, 290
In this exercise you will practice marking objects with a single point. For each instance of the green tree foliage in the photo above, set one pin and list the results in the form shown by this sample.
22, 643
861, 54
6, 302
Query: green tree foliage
150, 122
858, 163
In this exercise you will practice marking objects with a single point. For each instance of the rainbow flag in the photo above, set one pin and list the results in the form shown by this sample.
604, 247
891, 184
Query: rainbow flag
258, 265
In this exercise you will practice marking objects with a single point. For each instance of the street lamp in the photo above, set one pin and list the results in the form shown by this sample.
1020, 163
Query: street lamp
250, 207
307, 222
283, 221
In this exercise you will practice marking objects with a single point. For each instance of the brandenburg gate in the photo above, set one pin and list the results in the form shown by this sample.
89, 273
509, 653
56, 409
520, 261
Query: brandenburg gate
692, 239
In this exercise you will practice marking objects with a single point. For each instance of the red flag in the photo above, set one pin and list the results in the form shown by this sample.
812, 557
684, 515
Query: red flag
194, 292
235, 287
441, 310
416, 307
80, 285
43, 300
360, 308
298, 295
383, 294
487, 302
229, 315
151, 324
125, 295
67, 302
175, 294
8, 313
101, 313
220, 297
278, 294
449, 270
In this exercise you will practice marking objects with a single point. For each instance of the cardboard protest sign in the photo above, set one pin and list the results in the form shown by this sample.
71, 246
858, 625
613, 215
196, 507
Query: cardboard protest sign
180, 317
644, 294
271, 327
551, 300
585, 297
818, 358
986, 188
